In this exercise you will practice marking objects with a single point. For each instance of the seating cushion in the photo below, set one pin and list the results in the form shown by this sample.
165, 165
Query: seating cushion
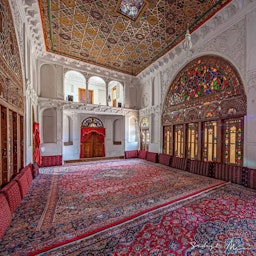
152, 157
5, 215
131, 154
28, 172
12, 194
35, 170
142, 154
179, 163
249, 177
21, 179
164, 159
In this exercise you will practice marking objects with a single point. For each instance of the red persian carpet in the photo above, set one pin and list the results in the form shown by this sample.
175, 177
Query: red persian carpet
131, 207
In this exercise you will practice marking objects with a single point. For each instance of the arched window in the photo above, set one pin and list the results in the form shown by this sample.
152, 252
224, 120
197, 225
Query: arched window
74, 86
115, 94
97, 91
203, 112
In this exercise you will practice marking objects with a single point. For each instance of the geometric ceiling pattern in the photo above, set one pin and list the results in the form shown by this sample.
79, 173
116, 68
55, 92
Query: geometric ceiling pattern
124, 35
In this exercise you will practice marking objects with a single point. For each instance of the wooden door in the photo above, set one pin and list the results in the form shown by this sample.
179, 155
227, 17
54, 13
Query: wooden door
93, 147
81, 95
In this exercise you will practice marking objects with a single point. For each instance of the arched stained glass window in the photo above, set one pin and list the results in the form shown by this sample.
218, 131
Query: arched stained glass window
92, 122
203, 112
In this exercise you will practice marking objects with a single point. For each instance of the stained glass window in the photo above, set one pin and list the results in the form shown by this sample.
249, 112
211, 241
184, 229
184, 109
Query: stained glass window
210, 141
179, 140
209, 92
233, 141
92, 122
168, 140
192, 141
145, 138
144, 124
200, 81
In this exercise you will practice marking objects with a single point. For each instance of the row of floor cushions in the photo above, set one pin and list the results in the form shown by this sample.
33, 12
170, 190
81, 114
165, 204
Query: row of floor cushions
228, 172
12, 194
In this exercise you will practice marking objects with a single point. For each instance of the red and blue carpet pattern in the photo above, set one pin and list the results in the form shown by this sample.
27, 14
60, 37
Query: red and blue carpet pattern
128, 207
219, 222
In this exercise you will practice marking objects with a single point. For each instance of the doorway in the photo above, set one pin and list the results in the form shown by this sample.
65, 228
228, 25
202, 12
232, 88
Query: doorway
92, 147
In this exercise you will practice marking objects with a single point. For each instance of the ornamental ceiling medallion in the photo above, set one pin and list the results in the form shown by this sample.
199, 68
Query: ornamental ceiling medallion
132, 9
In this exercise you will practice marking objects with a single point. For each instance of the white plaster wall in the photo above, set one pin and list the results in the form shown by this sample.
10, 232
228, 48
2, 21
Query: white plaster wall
72, 152
250, 121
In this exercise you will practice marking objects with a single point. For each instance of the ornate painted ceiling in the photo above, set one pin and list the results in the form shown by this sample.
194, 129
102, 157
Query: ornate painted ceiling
122, 35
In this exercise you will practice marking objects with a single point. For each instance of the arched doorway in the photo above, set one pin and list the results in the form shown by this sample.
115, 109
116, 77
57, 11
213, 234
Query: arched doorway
92, 138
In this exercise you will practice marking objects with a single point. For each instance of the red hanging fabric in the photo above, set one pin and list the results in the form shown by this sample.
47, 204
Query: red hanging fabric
36, 144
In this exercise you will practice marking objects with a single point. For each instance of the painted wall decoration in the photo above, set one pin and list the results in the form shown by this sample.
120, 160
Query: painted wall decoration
10, 65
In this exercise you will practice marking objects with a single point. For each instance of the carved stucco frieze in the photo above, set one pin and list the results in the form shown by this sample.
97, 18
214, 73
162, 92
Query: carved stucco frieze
251, 87
19, 30
151, 110
231, 43
83, 108
31, 93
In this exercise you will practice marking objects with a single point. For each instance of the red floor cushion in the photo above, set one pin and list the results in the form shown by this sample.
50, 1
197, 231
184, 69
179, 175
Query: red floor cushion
152, 157
131, 154
12, 194
142, 154
28, 172
5, 215
164, 159
22, 181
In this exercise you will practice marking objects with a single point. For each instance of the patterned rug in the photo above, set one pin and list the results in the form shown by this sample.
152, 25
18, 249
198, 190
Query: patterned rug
70, 203
219, 222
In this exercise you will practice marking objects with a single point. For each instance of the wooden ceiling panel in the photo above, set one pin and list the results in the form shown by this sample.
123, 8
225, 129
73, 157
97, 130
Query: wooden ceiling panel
97, 32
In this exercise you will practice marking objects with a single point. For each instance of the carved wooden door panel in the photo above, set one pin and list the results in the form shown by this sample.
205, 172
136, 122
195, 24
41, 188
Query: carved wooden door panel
88, 147
93, 147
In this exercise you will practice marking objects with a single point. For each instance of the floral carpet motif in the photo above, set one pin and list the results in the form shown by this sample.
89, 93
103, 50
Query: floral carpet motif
219, 222
69, 203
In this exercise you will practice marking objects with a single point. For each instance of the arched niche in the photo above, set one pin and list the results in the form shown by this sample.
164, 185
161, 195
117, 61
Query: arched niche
49, 117
117, 132
48, 87
115, 94
67, 130
132, 134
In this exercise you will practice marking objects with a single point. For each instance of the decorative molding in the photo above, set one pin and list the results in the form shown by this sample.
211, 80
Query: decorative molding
231, 43
84, 108
31, 93
150, 110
